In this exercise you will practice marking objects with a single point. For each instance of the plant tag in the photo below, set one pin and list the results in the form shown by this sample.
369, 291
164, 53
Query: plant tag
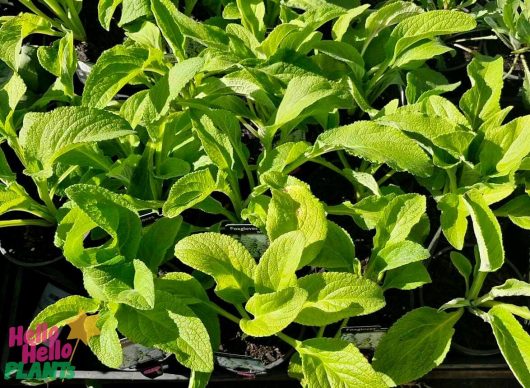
251, 237
364, 337
135, 355
242, 365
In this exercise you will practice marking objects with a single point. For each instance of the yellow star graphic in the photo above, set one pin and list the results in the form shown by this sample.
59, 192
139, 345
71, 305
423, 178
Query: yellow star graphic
84, 327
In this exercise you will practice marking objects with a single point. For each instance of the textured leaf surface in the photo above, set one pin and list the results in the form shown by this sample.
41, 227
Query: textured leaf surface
333, 296
379, 144
272, 312
171, 327
189, 191
276, 268
513, 341
64, 311
46, 136
329, 362
223, 258
420, 341
487, 232
295, 208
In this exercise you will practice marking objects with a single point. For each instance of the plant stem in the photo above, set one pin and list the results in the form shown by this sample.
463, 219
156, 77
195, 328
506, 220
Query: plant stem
42, 187
343, 159
321, 331
343, 324
242, 311
386, 177
223, 312
476, 286
76, 22
285, 338
20, 222
29, 4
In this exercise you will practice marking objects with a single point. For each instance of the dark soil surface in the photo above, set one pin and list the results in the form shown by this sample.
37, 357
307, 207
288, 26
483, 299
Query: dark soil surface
266, 349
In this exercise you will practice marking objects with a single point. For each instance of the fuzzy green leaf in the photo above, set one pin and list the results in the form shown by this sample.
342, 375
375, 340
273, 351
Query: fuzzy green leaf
64, 311
171, 327
513, 341
272, 312
189, 191
276, 268
294, 207
377, 143
106, 345
46, 136
487, 232
330, 362
333, 296
223, 258
114, 69
420, 341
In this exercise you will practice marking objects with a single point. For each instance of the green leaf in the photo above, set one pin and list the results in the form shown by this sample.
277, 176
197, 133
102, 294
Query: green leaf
420, 341
223, 258
389, 15
364, 179
481, 101
216, 144
175, 26
272, 312
423, 83
133, 10
171, 327
60, 59
294, 207
107, 210
64, 311
106, 345
341, 25
183, 286
518, 210
398, 219
420, 53
397, 255
6, 174
188, 191
333, 296
366, 213
338, 251
302, 98
330, 362
106, 9
11, 93
114, 69
199, 379
487, 232
504, 147
252, 14
513, 341
167, 89
128, 283
511, 287
13, 197
462, 265
14, 31
427, 25
453, 219
378, 144
279, 158
408, 277
276, 268
46, 136
158, 240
